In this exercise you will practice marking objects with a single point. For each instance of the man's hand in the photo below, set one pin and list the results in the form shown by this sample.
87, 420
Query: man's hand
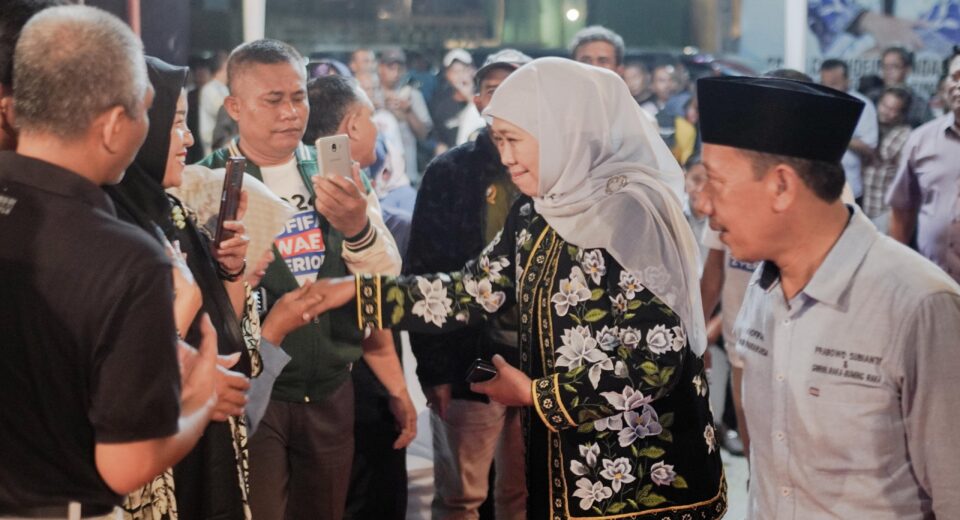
342, 201
292, 311
401, 406
231, 389
438, 398
510, 387
198, 370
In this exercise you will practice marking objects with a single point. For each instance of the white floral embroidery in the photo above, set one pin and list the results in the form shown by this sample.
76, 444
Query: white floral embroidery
435, 305
662, 474
618, 305
590, 492
523, 237
590, 452
710, 436
609, 338
573, 290
578, 468
700, 385
484, 294
492, 268
579, 348
629, 284
628, 399
593, 264
620, 369
659, 339
618, 472
614, 423
655, 277
597, 370
630, 337
639, 425
679, 338
670, 299
493, 243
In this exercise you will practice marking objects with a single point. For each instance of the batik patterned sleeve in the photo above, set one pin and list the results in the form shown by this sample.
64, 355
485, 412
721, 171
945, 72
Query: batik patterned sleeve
616, 349
442, 302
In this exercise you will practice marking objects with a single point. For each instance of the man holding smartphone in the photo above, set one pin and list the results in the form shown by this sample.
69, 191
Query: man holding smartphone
304, 447
378, 480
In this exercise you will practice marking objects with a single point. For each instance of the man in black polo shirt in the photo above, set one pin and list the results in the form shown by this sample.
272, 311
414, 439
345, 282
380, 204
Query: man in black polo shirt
91, 406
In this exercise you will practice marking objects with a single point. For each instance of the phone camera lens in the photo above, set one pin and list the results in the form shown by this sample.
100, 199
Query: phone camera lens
334, 146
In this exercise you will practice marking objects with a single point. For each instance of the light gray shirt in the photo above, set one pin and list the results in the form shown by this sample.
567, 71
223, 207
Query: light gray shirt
867, 130
852, 388
928, 182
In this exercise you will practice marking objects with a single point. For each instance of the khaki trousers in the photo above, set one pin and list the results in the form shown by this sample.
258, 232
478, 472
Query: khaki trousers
473, 436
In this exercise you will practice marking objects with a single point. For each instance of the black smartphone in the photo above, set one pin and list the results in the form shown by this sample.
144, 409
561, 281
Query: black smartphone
481, 371
230, 197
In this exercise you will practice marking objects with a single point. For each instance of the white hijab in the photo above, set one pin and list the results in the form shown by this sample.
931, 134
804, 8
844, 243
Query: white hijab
607, 180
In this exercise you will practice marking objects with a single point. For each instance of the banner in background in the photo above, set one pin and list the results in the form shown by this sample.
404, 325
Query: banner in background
856, 31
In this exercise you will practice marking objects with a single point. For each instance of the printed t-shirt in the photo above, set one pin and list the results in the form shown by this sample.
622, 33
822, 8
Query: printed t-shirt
301, 242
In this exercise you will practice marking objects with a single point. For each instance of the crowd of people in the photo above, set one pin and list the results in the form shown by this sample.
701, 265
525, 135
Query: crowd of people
632, 249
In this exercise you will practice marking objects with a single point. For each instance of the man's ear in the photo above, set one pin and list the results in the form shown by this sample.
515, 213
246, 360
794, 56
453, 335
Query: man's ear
349, 125
232, 104
784, 184
113, 123
6, 109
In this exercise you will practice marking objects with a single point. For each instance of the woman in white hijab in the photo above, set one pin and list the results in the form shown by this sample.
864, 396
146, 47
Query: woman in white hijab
602, 267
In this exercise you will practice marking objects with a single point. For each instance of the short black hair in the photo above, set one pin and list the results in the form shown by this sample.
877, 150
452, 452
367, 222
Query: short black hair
833, 63
330, 99
905, 56
900, 93
825, 179
13, 16
262, 52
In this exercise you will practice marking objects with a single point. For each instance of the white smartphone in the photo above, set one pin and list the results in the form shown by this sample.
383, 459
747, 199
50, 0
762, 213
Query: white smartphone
334, 155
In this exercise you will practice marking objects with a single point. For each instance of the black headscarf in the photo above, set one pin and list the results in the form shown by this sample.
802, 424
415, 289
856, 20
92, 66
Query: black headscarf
141, 200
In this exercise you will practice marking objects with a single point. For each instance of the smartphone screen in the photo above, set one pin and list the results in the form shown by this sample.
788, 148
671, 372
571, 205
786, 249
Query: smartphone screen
230, 197
334, 155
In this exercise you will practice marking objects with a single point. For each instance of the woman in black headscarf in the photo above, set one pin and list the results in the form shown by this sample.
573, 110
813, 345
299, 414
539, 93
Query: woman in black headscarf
211, 481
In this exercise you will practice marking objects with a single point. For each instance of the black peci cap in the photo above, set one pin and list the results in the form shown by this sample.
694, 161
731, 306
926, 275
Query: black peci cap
777, 116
